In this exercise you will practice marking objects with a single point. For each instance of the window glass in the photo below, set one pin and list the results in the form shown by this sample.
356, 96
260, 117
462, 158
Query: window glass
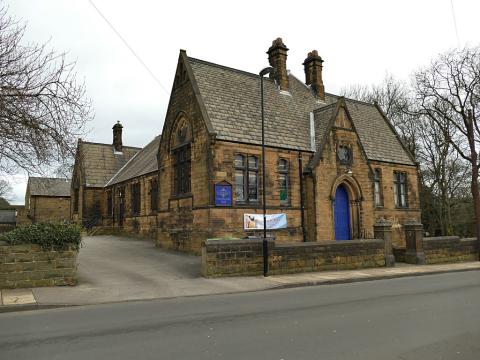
400, 189
182, 169
378, 188
252, 162
239, 161
239, 185
283, 187
252, 186
344, 154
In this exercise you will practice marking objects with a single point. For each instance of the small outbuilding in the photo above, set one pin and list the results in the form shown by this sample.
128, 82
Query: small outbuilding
47, 199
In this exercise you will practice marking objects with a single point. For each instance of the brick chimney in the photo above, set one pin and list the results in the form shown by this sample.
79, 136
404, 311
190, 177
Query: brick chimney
117, 137
313, 74
277, 57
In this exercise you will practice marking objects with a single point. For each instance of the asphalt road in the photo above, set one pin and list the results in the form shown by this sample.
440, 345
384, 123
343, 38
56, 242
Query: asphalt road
428, 317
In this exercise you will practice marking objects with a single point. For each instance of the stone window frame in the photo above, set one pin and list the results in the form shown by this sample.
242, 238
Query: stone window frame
246, 170
284, 172
377, 187
349, 148
153, 195
400, 189
135, 198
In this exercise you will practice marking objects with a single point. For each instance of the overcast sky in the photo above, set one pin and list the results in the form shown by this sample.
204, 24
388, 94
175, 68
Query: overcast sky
360, 41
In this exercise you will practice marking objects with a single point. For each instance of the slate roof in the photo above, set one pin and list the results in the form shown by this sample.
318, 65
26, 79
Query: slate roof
40, 186
4, 204
378, 138
376, 134
232, 101
100, 162
143, 162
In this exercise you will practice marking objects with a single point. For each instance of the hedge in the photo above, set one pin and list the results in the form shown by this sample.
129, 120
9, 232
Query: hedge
47, 235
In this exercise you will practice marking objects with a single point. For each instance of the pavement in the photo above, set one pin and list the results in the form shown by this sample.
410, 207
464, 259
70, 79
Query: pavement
117, 269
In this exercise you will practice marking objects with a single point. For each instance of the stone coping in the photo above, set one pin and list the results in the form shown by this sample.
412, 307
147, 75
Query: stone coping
329, 243
290, 244
236, 241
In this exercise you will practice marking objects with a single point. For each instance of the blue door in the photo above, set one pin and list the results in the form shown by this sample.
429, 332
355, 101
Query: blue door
341, 214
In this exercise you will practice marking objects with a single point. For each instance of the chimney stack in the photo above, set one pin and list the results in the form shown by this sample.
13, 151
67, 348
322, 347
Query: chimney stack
277, 57
313, 74
117, 137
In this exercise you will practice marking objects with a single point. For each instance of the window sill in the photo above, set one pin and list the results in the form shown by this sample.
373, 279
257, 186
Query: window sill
181, 196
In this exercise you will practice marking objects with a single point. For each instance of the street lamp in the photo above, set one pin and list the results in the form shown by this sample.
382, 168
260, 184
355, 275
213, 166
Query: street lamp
264, 72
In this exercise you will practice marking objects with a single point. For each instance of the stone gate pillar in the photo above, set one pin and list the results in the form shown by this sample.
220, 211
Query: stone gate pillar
383, 230
414, 243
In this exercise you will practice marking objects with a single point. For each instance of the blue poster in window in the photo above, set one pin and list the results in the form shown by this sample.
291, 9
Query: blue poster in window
223, 194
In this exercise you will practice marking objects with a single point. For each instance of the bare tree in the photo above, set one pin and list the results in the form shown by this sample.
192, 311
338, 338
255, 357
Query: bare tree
393, 96
443, 172
43, 109
448, 93
5, 189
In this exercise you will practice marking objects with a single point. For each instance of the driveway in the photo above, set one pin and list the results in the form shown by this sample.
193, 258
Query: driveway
112, 268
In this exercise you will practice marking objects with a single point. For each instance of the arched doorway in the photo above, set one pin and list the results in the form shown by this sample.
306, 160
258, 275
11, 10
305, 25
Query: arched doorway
341, 214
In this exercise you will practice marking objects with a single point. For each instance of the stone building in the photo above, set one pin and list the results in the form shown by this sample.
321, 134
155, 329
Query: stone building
131, 195
333, 165
95, 165
46, 199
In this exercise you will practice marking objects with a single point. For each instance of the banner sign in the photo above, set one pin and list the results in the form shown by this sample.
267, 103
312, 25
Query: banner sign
223, 194
255, 221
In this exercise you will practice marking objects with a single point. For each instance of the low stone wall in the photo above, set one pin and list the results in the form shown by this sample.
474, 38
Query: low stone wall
244, 257
449, 249
28, 265
6, 227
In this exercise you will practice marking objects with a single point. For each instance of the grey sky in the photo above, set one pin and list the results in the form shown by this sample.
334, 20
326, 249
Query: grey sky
359, 40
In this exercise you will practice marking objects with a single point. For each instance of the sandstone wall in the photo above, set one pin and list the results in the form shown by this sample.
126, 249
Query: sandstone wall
28, 265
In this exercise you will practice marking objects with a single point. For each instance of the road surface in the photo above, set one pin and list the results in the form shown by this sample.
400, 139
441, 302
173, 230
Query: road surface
428, 317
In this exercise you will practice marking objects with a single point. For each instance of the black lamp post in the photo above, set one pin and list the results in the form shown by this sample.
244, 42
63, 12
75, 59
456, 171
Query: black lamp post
264, 72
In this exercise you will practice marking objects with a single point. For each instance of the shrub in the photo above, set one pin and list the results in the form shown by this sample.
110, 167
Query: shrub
47, 235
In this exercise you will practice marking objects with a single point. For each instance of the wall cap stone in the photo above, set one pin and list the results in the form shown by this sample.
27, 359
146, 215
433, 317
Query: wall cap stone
235, 241
441, 238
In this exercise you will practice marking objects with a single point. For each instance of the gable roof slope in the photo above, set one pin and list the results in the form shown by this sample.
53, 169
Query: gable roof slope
377, 136
42, 186
143, 162
100, 162
232, 100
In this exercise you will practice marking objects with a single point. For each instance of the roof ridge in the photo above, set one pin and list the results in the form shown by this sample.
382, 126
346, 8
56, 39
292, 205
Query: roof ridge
225, 67
359, 101
103, 144
326, 107
48, 178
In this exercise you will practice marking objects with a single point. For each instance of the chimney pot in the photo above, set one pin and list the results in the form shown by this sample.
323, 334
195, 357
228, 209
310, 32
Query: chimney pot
313, 74
277, 57
117, 137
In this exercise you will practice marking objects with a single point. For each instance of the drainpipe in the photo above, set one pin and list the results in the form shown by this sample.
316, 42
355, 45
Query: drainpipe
302, 197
